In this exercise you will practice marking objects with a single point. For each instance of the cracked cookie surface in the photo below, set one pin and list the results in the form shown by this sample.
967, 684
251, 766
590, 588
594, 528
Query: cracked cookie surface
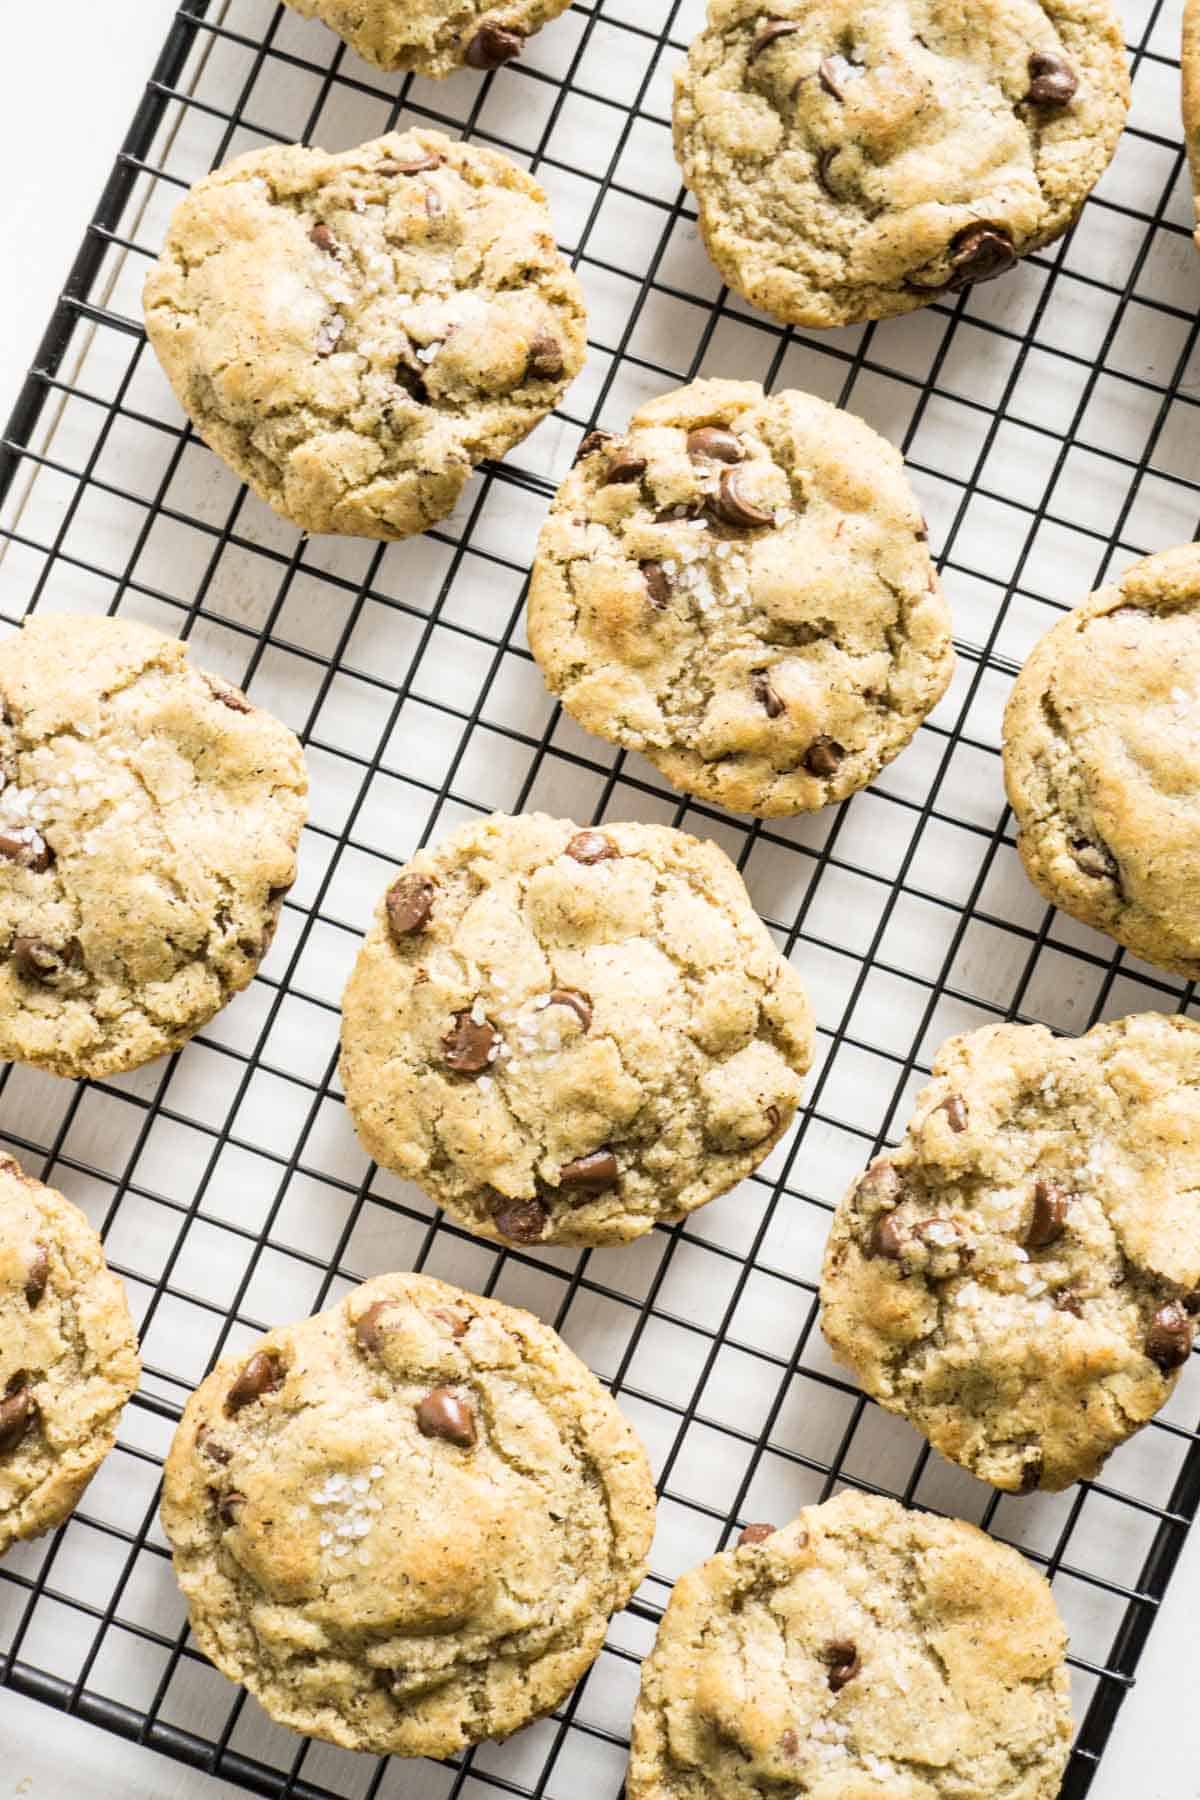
852, 164
1018, 1278
860, 1653
1102, 761
434, 37
740, 588
149, 817
68, 1355
403, 1524
566, 1035
354, 333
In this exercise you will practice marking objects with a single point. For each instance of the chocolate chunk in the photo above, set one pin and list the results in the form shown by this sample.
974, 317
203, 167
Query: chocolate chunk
1053, 82
772, 1116
493, 45
1091, 860
520, 1221
36, 960
211, 1447
417, 165
823, 756
329, 335
442, 1414
1050, 1206
228, 696
37, 1274
842, 1660
579, 1004
545, 358
591, 847
594, 440
229, 1505
1169, 1339
26, 847
712, 440
369, 1330
1031, 1471
657, 585
596, 1170
324, 239
1068, 1301
18, 1409
755, 1534
764, 693
829, 74
731, 506
879, 1182
408, 905
955, 1109
261, 1375
457, 1324
887, 1238
774, 28
979, 253
825, 160
413, 383
625, 466
467, 1046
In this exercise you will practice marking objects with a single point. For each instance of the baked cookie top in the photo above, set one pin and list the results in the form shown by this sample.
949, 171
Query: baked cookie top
741, 589
434, 37
851, 163
860, 1653
149, 817
353, 333
1191, 94
565, 1035
1102, 760
1018, 1277
403, 1523
68, 1355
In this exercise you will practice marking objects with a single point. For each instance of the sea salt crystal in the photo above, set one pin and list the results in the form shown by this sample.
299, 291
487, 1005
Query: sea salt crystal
375, 1471
478, 1012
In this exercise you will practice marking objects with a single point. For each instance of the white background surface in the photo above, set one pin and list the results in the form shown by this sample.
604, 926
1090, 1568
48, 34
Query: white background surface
69, 79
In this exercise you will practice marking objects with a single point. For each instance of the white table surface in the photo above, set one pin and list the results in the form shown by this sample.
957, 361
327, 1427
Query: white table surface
69, 80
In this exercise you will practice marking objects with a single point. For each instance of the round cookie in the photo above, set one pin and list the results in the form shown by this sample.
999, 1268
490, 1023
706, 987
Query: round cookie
403, 1523
354, 333
741, 589
860, 1653
149, 817
1102, 761
434, 37
68, 1355
1191, 95
566, 1035
1018, 1278
853, 163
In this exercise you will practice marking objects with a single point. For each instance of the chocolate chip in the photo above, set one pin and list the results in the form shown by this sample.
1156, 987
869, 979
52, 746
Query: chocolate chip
772, 1116
1053, 81
764, 693
825, 160
955, 1109
824, 756
879, 1182
842, 1660
712, 440
521, 1221
324, 239
545, 358
408, 905
979, 253
36, 960
368, 1329
1049, 1220
329, 335
1169, 1339
416, 166
211, 1447
228, 696
732, 507
37, 1274
755, 1534
594, 440
229, 1505
442, 1414
829, 75
774, 28
26, 847
657, 585
625, 466
579, 1004
18, 1409
887, 1238
591, 847
1091, 860
261, 1375
493, 45
1068, 1301
596, 1170
413, 383
457, 1324
467, 1046
1031, 1471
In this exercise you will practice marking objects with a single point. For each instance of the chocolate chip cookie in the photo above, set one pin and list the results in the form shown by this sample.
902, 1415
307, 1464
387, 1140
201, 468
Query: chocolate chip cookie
1191, 95
434, 37
68, 1355
1102, 761
354, 333
149, 817
403, 1523
566, 1035
741, 588
860, 1653
1019, 1278
853, 163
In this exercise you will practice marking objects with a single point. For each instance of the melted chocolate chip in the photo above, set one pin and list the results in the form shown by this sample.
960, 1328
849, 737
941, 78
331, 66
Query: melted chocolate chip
597, 1170
18, 1409
457, 1324
825, 161
441, 1414
413, 383
229, 1505
211, 1447
417, 165
467, 1046
36, 960
880, 1182
979, 253
323, 238
774, 28
27, 848
887, 1238
712, 440
829, 74
37, 1274
408, 905
1068, 1301
591, 847
579, 1004
657, 586
261, 1375
1169, 1339
369, 1329
755, 1534
1031, 1470
520, 1221
955, 1109
843, 1662
764, 693
545, 358
1052, 81
625, 466
1091, 860
228, 696
732, 507
824, 756
493, 45
1051, 1204
594, 440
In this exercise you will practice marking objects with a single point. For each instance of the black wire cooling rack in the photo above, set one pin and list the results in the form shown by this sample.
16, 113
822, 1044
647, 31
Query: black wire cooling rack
1050, 424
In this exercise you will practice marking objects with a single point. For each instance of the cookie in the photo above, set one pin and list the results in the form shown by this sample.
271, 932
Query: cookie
860, 1653
68, 1355
1102, 761
149, 817
566, 1035
852, 163
403, 1524
740, 588
1191, 95
1018, 1278
434, 37
354, 333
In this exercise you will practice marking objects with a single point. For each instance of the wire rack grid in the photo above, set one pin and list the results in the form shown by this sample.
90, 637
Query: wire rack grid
1049, 423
